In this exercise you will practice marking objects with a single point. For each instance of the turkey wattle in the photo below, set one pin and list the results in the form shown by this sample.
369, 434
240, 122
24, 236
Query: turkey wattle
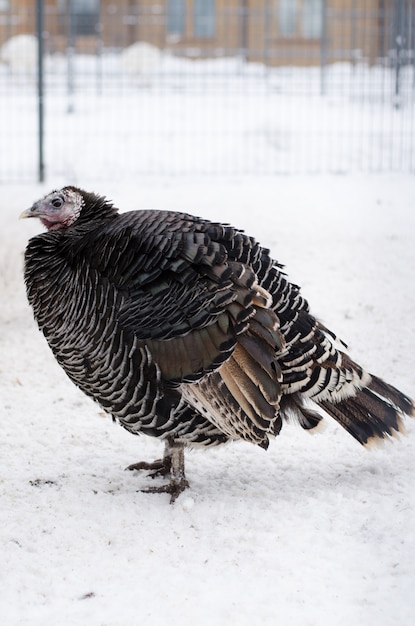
189, 331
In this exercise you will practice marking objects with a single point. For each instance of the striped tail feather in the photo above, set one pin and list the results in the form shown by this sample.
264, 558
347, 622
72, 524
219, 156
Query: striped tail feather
374, 412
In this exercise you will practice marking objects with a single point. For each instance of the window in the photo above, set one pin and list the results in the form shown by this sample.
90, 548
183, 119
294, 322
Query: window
191, 18
81, 16
312, 19
204, 18
86, 16
287, 15
176, 17
300, 18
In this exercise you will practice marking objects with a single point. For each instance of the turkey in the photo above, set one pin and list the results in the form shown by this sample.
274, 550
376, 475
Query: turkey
187, 330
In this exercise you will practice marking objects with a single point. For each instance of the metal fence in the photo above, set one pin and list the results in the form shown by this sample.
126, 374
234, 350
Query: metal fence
127, 89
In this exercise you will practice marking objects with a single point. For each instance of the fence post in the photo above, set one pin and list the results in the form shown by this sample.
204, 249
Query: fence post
70, 55
399, 42
323, 48
243, 29
40, 91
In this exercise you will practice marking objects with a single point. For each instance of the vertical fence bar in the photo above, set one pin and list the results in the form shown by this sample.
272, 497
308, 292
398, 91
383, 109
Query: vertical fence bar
70, 55
399, 42
40, 87
243, 29
323, 48
99, 47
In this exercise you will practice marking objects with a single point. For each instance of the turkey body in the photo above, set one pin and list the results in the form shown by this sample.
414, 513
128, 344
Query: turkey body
187, 330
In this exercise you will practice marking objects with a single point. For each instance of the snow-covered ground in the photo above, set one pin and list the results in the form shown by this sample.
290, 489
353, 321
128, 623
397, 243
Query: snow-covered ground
317, 531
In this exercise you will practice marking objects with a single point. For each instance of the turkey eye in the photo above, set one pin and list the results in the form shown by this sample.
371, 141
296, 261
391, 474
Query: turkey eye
57, 203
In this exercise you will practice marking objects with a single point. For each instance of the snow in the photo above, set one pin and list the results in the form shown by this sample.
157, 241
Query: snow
214, 116
315, 531
19, 53
141, 59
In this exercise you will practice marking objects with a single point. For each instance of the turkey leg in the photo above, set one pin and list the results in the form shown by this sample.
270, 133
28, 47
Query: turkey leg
171, 464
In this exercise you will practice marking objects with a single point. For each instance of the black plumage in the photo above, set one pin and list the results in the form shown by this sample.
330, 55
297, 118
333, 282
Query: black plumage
189, 331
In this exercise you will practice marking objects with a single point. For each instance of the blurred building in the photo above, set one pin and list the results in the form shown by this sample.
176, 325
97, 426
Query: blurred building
274, 32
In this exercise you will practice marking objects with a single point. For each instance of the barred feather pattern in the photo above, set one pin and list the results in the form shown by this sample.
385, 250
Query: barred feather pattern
187, 329
110, 365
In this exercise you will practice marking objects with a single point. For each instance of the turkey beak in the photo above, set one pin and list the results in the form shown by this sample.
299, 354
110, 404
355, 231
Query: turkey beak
34, 211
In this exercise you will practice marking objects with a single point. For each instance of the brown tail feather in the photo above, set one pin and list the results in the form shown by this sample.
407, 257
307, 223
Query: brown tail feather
374, 412
243, 396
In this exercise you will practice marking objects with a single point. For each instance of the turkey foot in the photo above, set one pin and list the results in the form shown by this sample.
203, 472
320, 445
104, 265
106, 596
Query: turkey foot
171, 464
174, 488
161, 467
